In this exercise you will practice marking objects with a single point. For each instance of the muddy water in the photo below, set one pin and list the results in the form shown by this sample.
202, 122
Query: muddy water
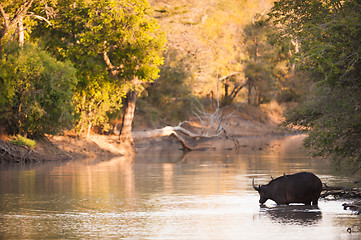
169, 195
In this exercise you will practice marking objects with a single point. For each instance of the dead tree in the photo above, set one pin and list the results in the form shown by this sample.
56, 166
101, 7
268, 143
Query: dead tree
210, 126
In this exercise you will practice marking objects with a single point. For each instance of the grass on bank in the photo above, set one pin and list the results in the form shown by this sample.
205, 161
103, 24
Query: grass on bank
23, 141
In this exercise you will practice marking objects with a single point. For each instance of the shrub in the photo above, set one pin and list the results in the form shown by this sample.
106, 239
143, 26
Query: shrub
23, 141
36, 91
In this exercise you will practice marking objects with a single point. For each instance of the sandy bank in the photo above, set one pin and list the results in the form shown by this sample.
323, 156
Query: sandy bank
246, 130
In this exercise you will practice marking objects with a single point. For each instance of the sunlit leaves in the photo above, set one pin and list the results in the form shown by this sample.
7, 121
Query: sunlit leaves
35, 91
111, 43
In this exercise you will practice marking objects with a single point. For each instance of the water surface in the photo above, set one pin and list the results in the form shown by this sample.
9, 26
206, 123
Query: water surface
166, 194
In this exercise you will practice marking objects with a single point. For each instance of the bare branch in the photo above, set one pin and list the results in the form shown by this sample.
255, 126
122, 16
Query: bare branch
40, 18
228, 76
5, 16
20, 13
17, 18
111, 67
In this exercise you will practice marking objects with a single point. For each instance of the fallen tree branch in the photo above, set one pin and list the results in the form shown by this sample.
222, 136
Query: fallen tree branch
211, 126
340, 192
344, 192
169, 131
183, 142
163, 132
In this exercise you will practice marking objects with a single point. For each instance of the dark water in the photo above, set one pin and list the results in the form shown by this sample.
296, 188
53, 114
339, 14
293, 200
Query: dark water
169, 195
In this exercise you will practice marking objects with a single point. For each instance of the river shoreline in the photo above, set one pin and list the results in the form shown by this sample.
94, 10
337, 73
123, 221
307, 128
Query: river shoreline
245, 133
65, 148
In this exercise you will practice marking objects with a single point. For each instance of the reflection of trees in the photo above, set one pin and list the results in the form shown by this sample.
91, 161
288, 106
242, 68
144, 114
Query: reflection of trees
213, 172
294, 214
278, 154
98, 179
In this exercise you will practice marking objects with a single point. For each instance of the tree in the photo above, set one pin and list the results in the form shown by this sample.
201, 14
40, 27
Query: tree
18, 11
15, 13
265, 67
167, 100
328, 33
209, 34
115, 47
35, 92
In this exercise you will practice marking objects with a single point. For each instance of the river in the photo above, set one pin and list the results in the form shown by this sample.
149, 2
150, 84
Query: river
167, 194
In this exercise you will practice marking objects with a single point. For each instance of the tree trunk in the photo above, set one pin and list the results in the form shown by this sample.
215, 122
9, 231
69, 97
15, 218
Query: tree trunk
226, 90
257, 100
126, 130
249, 99
8, 24
235, 91
226, 99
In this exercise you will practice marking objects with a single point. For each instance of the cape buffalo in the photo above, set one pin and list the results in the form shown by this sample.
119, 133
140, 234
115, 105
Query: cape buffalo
303, 187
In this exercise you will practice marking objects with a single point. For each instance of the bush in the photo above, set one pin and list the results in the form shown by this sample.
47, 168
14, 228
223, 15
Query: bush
23, 141
168, 98
36, 91
287, 95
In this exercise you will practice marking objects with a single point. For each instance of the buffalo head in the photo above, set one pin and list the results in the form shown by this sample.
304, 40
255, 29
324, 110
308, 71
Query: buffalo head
263, 192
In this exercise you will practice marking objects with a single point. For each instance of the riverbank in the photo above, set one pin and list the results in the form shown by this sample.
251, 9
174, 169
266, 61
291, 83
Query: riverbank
245, 129
63, 148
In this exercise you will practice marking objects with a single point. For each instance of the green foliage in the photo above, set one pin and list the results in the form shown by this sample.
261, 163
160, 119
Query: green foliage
335, 124
114, 45
329, 36
266, 66
23, 141
35, 91
168, 98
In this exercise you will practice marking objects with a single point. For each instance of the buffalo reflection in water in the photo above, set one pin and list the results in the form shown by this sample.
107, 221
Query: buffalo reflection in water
293, 214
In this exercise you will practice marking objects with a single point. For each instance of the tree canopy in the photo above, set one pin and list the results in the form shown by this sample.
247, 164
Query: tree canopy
36, 91
328, 34
114, 45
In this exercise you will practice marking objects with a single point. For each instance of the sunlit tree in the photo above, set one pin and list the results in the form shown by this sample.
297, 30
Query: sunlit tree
36, 92
115, 46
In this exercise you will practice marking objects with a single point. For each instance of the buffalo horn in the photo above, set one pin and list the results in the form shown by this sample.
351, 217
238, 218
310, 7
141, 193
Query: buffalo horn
254, 186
